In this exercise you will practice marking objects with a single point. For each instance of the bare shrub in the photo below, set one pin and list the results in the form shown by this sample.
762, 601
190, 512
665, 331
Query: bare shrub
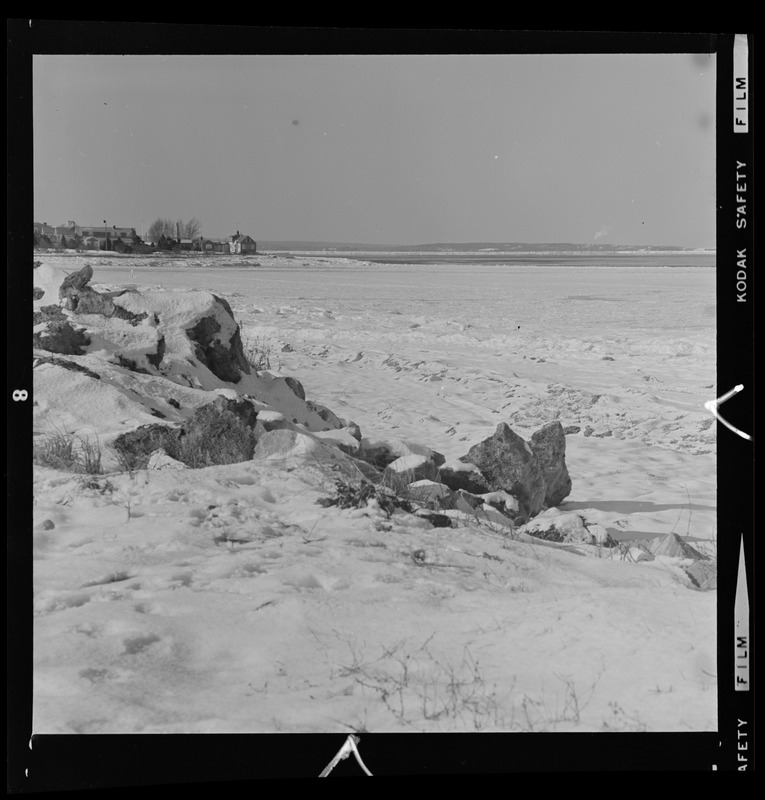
214, 436
358, 494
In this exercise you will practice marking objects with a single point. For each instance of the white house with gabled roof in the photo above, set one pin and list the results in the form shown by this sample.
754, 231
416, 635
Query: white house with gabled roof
241, 243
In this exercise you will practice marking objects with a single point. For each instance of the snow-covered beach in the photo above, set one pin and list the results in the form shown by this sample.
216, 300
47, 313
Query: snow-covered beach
227, 600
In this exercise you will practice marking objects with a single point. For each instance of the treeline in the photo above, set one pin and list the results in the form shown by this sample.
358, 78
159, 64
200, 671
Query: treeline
169, 230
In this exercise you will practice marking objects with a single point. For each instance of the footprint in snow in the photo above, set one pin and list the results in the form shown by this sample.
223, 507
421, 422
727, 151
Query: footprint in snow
96, 675
247, 571
62, 602
112, 577
136, 645
184, 578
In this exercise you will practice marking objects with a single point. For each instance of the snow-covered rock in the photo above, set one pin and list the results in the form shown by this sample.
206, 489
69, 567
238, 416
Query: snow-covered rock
674, 546
549, 446
428, 491
415, 467
508, 462
457, 474
639, 554
218, 343
47, 282
151, 347
490, 515
342, 438
284, 444
159, 459
59, 336
501, 500
383, 452
703, 574
560, 526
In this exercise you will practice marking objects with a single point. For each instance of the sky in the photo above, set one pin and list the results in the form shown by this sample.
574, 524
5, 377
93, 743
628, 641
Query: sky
382, 149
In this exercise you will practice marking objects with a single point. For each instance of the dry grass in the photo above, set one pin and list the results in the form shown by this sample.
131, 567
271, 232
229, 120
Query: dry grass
257, 351
419, 688
68, 452
130, 461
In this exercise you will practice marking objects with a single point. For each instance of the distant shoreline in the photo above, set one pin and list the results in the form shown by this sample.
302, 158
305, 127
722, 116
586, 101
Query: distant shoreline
478, 248
643, 258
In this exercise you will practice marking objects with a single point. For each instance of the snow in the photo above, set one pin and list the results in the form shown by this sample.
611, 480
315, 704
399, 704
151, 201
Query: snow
227, 600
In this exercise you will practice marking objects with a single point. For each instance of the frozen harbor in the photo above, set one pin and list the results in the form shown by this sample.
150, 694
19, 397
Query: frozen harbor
147, 621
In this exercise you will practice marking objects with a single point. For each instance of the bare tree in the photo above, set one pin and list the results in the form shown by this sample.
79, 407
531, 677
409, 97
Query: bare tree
191, 229
161, 227
174, 230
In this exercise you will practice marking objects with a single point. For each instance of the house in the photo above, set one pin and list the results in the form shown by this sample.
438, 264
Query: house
241, 243
54, 233
109, 237
94, 237
212, 245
